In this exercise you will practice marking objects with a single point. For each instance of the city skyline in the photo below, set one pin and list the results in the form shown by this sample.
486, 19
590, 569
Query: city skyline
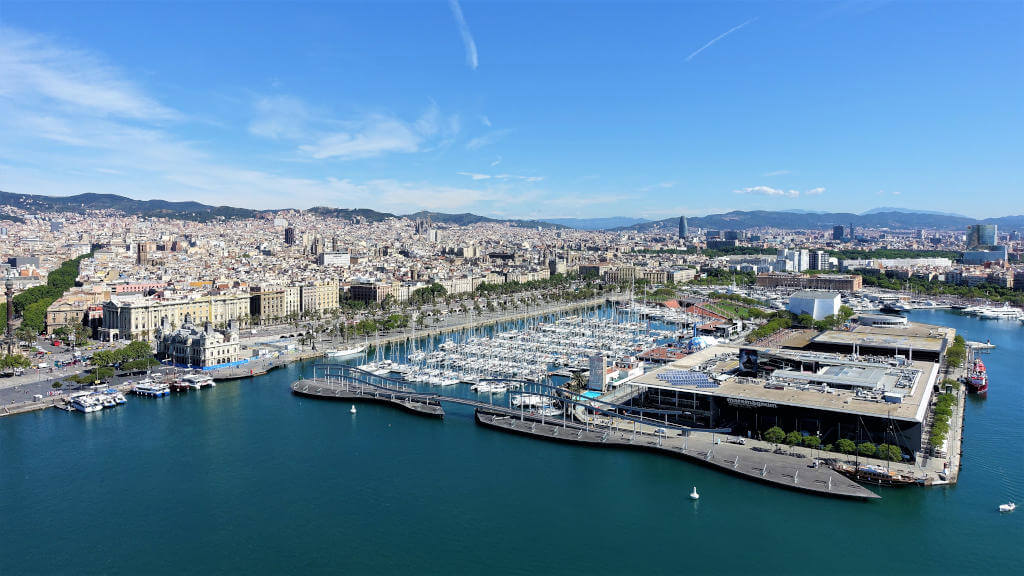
558, 111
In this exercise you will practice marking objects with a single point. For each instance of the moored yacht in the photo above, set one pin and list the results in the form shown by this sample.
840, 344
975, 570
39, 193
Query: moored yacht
345, 352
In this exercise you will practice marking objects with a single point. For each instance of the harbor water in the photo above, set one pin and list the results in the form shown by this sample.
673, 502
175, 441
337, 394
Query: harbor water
246, 478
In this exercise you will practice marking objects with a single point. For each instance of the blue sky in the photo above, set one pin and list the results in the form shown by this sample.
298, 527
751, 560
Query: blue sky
566, 109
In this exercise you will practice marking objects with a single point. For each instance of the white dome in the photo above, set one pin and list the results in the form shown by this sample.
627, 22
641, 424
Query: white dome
702, 342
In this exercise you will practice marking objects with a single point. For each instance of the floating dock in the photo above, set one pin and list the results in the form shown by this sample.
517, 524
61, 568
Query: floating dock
408, 400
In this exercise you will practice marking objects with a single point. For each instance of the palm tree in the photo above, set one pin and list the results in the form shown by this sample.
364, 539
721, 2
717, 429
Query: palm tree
577, 383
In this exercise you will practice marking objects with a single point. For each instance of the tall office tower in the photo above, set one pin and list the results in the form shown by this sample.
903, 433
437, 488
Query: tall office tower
819, 260
981, 235
838, 233
684, 228
289, 235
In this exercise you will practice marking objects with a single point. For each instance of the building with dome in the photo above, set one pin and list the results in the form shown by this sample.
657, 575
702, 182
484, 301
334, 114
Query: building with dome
203, 347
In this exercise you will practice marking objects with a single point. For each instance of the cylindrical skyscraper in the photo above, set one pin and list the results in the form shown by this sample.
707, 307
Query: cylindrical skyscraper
684, 229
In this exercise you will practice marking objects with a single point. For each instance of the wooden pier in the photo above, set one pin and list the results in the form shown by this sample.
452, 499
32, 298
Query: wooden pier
408, 400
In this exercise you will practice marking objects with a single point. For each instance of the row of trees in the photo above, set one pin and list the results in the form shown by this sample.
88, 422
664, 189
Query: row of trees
776, 322
777, 435
138, 355
31, 304
940, 421
722, 277
957, 352
428, 294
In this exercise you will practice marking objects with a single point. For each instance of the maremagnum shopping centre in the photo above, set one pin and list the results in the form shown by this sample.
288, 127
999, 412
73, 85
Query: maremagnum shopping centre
869, 384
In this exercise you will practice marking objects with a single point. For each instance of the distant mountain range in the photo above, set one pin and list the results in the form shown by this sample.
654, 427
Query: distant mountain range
885, 217
881, 209
198, 212
596, 223
895, 218
33, 203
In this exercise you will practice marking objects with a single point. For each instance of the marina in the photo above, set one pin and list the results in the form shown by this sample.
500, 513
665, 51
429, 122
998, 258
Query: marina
381, 460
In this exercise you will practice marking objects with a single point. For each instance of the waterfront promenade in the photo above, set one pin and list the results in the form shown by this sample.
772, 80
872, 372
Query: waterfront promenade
782, 470
790, 470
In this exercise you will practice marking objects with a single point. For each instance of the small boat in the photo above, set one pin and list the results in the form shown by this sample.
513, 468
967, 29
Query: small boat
353, 409
877, 475
86, 404
694, 495
345, 352
1007, 507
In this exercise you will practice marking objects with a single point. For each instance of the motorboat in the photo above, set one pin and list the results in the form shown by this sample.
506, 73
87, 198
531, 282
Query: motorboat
197, 381
345, 352
1002, 313
150, 388
694, 495
86, 404
353, 409
1009, 507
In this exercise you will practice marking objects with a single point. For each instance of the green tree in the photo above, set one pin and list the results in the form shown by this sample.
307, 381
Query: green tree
10, 362
866, 449
136, 350
846, 446
104, 358
889, 452
577, 383
139, 364
794, 438
34, 316
775, 435
811, 441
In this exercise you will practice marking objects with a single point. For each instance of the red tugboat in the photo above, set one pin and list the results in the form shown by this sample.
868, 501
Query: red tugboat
977, 378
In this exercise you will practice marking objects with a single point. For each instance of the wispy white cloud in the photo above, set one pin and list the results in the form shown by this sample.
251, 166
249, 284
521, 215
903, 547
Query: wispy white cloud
778, 192
279, 117
487, 139
776, 173
475, 175
485, 121
717, 38
69, 79
70, 123
658, 186
467, 37
479, 176
379, 134
496, 162
517, 177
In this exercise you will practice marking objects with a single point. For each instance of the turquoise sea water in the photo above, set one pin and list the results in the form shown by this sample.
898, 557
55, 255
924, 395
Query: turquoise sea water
246, 478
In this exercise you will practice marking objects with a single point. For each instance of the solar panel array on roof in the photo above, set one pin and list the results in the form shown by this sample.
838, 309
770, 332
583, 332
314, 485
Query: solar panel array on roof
687, 378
